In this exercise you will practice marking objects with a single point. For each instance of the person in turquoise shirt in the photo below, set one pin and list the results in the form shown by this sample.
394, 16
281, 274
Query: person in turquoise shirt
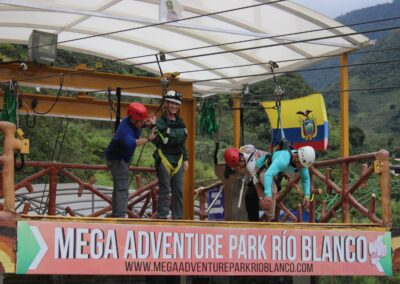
286, 161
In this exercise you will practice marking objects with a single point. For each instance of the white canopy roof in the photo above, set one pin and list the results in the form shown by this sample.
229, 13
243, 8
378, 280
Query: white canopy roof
197, 47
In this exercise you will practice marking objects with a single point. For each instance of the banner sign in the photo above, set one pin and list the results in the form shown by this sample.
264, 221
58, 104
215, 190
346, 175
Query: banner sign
215, 197
132, 249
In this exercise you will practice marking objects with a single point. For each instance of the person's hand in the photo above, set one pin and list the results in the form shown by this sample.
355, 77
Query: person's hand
151, 120
152, 134
306, 202
185, 165
266, 202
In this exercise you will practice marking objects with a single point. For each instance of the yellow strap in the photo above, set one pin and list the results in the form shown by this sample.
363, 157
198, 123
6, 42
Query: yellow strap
167, 164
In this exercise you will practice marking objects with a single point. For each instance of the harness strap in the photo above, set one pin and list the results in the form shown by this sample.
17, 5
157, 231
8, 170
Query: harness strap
251, 156
280, 122
172, 170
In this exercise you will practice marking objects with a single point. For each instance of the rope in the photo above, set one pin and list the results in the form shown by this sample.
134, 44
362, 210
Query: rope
61, 76
61, 143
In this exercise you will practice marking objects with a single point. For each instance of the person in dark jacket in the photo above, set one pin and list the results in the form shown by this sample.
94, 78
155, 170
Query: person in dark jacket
119, 154
171, 157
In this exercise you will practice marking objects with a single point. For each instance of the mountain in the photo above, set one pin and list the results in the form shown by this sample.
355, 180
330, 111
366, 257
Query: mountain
318, 79
373, 80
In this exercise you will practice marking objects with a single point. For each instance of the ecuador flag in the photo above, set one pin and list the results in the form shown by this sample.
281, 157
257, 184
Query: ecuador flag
304, 121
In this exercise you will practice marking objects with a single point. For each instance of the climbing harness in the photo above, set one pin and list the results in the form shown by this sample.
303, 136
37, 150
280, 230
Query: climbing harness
171, 169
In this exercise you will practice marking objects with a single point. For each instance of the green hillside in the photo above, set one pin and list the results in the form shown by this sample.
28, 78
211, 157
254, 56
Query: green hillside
376, 111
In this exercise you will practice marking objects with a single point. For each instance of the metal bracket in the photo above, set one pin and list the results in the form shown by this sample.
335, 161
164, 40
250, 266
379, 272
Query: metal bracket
24, 142
378, 166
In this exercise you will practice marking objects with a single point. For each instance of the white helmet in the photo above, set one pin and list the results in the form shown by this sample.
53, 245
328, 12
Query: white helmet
173, 96
306, 156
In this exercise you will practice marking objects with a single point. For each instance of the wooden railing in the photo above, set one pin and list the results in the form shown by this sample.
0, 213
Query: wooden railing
325, 173
323, 186
144, 195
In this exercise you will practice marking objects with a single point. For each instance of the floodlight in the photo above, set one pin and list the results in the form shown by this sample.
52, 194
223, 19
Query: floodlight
42, 47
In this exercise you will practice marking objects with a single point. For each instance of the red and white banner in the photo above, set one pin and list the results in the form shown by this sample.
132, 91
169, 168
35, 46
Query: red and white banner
123, 249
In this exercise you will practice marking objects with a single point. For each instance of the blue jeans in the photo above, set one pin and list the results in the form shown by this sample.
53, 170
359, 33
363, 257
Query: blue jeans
120, 173
173, 185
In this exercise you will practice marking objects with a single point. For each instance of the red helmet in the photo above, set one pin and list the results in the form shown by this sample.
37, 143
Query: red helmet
231, 157
137, 111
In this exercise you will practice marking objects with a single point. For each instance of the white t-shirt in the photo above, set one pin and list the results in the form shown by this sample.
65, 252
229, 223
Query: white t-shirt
250, 154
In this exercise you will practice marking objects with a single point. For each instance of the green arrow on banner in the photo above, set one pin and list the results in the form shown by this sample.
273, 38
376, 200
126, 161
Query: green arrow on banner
30, 247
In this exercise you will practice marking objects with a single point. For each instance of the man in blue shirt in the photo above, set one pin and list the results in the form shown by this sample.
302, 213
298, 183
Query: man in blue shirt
287, 161
119, 154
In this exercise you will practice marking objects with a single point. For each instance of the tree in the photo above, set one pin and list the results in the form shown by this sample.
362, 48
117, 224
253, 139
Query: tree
357, 137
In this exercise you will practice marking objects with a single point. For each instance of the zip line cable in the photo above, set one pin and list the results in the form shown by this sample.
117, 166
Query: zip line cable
375, 89
262, 46
263, 74
74, 73
228, 43
248, 99
254, 47
164, 23
221, 44
298, 70
245, 41
283, 61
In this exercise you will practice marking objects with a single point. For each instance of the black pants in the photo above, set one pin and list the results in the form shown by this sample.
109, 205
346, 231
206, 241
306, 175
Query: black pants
252, 206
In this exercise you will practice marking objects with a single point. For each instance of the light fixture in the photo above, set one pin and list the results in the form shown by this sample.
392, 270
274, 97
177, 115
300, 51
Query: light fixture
42, 47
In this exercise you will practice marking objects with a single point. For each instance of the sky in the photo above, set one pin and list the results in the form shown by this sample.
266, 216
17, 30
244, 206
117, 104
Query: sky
335, 8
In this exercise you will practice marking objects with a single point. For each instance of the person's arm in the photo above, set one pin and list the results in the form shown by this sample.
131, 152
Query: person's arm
127, 140
185, 157
151, 121
305, 181
142, 141
158, 132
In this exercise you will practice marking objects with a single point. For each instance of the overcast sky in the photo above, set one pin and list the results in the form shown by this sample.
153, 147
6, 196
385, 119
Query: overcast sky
334, 8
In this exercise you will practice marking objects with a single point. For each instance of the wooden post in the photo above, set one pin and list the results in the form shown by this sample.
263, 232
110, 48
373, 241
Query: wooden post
383, 157
345, 199
188, 112
7, 161
236, 121
52, 191
344, 105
